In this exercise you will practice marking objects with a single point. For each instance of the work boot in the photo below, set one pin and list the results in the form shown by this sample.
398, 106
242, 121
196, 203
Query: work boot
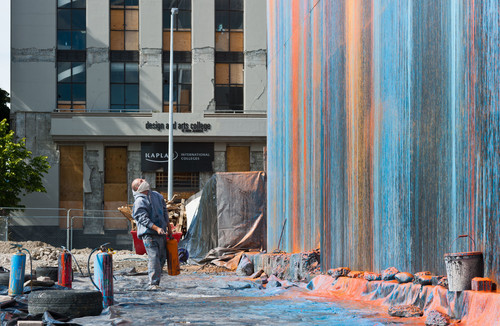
153, 287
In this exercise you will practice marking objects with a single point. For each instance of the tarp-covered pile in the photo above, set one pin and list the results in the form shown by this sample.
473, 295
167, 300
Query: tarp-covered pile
231, 215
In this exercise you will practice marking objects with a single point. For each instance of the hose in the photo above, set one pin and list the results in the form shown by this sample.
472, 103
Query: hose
88, 263
31, 268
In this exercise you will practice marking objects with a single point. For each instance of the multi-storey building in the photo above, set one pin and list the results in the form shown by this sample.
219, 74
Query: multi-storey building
90, 90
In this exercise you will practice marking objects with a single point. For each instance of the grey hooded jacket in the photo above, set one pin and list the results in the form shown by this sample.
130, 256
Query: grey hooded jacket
148, 210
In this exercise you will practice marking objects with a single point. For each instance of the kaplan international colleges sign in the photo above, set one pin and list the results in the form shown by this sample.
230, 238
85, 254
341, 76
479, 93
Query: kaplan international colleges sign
188, 157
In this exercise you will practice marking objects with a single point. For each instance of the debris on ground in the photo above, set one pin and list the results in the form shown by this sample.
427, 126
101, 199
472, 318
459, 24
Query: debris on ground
405, 311
437, 318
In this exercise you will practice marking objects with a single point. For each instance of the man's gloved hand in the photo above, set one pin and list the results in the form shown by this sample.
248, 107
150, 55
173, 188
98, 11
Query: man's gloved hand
158, 230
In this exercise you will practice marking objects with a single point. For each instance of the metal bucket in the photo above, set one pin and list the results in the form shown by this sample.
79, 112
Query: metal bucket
462, 267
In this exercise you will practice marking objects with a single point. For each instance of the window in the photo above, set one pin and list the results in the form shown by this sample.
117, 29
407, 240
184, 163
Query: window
182, 25
71, 25
229, 25
124, 86
181, 99
124, 20
71, 78
229, 55
183, 181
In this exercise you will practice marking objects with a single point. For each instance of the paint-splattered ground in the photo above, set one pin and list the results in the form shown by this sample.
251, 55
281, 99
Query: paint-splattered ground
204, 299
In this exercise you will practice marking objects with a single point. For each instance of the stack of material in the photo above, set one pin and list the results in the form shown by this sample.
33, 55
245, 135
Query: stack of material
176, 214
127, 212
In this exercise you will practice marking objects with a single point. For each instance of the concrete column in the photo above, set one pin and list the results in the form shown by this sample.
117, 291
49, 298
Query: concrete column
257, 157
93, 176
97, 55
150, 62
203, 44
33, 45
35, 127
204, 177
133, 166
220, 157
255, 44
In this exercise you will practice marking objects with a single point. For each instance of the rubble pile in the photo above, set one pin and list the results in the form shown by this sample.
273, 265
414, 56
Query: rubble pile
177, 215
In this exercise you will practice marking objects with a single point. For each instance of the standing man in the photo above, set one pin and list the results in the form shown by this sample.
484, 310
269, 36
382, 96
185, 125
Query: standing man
151, 214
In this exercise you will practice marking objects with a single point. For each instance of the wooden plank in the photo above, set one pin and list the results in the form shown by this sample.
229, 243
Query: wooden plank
116, 223
115, 192
70, 182
115, 170
71, 173
238, 158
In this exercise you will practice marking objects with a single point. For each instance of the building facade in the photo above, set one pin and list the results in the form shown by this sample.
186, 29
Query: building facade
90, 90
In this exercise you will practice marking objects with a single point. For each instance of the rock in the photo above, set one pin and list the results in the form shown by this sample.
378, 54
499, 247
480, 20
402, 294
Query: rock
273, 282
264, 278
436, 279
245, 267
437, 318
370, 276
257, 274
338, 272
310, 285
389, 273
404, 277
355, 274
405, 311
236, 285
443, 282
423, 279
418, 276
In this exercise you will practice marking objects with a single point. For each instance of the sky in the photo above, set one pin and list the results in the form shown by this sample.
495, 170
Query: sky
5, 45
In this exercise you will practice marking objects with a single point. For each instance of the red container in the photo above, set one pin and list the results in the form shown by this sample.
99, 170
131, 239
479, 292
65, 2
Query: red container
139, 245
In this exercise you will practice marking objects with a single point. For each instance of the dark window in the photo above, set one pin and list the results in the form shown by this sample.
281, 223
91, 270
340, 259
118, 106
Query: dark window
229, 55
229, 25
182, 25
181, 97
124, 25
183, 17
71, 86
71, 25
124, 77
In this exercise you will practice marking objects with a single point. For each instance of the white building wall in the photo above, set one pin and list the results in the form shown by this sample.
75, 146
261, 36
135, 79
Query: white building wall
33, 42
255, 45
97, 56
203, 55
150, 61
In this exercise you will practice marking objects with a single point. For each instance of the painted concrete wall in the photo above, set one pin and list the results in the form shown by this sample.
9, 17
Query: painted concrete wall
383, 130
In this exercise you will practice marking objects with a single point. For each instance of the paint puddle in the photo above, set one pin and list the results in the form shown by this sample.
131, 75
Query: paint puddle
208, 300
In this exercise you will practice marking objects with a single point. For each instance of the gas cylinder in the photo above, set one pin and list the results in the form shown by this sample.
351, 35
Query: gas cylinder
65, 271
173, 257
16, 281
103, 276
